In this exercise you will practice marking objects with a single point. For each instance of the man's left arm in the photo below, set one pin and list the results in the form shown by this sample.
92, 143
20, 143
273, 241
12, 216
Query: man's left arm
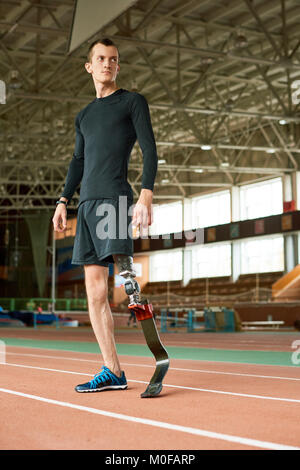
141, 119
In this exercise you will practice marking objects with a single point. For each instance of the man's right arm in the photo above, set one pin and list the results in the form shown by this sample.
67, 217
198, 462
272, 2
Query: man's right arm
75, 171
73, 179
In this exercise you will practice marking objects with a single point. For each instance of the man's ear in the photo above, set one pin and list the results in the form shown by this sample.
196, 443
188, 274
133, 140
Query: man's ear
88, 67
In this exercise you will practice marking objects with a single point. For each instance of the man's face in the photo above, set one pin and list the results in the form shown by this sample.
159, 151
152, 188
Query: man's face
103, 65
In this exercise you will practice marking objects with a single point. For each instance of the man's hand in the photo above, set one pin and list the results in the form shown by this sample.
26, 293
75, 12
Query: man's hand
60, 218
142, 213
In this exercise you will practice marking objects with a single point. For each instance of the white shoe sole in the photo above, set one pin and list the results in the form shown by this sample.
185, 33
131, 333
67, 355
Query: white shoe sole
109, 387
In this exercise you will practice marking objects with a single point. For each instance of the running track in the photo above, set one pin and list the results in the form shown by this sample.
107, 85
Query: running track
204, 404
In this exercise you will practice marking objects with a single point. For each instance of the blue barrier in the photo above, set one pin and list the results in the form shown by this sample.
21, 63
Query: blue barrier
45, 319
30, 318
229, 320
190, 321
225, 322
169, 319
163, 321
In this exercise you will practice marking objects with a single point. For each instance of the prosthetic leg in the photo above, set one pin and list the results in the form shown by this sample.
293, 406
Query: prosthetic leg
143, 312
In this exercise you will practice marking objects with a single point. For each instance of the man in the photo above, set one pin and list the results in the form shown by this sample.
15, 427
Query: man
106, 130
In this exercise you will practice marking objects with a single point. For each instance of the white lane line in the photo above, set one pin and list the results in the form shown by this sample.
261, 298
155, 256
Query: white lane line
222, 392
158, 424
233, 346
203, 371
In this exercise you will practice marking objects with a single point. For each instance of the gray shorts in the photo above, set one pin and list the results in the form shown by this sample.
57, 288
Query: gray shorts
103, 229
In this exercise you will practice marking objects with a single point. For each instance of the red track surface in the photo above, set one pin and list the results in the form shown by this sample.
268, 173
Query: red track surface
242, 401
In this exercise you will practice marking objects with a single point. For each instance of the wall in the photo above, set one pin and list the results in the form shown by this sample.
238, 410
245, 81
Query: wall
279, 312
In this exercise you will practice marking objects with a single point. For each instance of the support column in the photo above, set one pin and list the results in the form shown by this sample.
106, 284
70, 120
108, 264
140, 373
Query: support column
287, 187
235, 260
290, 240
187, 266
235, 245
39, 232
187, 222
297, 189
53, 274
290, 252
235, 203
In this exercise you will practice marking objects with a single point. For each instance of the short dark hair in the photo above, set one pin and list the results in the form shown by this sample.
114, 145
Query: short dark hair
105, 42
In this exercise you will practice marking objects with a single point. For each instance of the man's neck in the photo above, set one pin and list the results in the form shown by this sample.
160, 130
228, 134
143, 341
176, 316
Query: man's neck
104, 90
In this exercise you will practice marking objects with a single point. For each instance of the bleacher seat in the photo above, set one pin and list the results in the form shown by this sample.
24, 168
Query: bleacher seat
222, 287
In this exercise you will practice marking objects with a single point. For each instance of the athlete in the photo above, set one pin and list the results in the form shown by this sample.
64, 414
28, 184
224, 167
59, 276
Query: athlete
106, 131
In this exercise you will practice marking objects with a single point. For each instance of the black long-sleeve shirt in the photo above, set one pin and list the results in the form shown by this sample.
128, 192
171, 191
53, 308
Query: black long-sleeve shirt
106, 131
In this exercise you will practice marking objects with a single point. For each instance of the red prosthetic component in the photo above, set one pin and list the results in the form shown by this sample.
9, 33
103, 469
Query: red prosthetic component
142, 312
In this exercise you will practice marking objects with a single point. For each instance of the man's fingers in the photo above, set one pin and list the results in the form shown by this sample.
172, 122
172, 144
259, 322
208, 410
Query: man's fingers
57, 228
136, 218
59, 223
64, 221
145, 216
135, 221
55, 224
142, 216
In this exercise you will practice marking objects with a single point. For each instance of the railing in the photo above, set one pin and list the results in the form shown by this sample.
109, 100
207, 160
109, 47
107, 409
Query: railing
8, 303
169, 299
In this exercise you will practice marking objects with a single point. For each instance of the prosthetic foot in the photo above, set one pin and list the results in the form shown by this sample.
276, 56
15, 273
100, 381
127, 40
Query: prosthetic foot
143, 312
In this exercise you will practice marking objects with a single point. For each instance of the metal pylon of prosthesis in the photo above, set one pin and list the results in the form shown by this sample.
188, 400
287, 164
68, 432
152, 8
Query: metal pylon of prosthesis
144, 313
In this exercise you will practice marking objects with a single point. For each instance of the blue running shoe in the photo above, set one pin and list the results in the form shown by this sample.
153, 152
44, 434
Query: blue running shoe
105, 380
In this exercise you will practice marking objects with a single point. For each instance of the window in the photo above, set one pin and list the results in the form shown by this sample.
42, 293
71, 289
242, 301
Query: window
263, 255
165, 266
211, 261
167, 218
261, 199
208, 210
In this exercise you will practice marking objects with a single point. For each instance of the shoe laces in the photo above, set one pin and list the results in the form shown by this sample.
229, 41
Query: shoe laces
102, 376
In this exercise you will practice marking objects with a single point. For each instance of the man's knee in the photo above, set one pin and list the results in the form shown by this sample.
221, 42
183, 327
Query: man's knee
96, 284
97, 294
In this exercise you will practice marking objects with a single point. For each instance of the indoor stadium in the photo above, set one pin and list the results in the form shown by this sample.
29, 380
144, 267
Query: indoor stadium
149, 227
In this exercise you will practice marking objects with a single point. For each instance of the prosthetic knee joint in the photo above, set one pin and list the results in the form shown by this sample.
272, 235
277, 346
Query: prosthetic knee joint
132, 287
141, 308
